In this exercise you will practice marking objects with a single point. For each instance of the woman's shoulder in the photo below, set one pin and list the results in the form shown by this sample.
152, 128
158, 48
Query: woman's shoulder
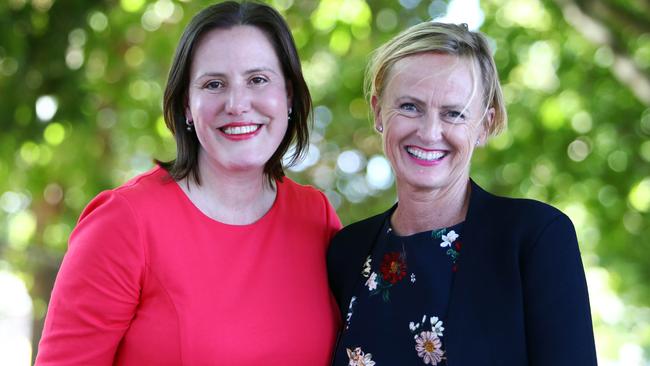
294, 188
513, 208
360, 231
155, 178
296, 194
523, 218
144, 189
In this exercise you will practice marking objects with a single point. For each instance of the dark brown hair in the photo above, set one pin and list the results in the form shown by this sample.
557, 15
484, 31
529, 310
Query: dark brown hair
226, 15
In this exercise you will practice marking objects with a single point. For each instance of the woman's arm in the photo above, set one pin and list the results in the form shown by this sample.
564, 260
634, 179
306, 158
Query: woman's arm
333, 224
97, 288
556, 303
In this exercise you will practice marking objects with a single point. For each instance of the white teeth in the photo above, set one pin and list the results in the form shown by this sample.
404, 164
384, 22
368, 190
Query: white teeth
240, 130
425, 155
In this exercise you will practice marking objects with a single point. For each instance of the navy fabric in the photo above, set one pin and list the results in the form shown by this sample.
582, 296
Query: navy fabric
519, 296
405, 291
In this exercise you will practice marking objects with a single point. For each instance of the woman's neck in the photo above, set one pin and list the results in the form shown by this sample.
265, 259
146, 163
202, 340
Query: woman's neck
232, 197
422, 210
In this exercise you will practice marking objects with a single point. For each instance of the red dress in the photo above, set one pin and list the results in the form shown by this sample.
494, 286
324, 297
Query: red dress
148, 279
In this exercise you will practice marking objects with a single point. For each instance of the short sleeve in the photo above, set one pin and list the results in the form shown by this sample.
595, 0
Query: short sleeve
558, 320
333, 221
97, 288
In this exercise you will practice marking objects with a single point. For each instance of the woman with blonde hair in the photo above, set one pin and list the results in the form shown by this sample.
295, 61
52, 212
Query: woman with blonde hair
451, 274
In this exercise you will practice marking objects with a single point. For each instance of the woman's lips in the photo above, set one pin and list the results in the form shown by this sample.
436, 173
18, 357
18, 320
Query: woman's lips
240, 131
424, 156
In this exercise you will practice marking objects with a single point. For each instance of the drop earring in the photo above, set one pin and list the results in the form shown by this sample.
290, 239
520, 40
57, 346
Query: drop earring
289, 114
189, 124
379, 129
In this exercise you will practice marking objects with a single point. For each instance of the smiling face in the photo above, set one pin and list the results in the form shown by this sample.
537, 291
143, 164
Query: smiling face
432, 116
237, 99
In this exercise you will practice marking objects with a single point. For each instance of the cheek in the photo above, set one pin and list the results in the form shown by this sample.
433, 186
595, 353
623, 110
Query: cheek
462, 136
273, 99
202, 105
272, 102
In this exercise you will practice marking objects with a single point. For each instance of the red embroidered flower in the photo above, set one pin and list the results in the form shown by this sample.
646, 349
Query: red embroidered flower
393, 267
457, 245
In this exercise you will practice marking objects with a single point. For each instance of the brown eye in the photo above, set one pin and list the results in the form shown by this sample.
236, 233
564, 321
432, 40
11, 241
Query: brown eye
258, 80
214, 84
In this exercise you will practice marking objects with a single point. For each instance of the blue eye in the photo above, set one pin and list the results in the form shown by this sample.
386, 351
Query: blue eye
408, 107
455, 116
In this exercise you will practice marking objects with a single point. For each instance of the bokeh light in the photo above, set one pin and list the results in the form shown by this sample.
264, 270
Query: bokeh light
46, 107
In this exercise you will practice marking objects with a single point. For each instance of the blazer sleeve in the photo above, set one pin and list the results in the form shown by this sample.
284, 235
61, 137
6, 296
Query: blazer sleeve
97, 288
556, 303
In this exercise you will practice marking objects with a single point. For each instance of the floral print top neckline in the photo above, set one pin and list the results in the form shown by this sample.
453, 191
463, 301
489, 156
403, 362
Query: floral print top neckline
398, 313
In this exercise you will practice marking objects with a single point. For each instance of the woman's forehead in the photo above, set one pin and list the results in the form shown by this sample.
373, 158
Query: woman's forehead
433, 74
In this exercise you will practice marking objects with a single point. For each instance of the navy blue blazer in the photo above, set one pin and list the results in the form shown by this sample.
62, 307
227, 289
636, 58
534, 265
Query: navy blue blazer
519, 296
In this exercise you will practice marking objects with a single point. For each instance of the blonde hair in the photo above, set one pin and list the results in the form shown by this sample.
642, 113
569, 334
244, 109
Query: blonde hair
447, 39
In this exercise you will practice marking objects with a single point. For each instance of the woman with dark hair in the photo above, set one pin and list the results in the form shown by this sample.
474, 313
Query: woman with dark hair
451, 274
215, 257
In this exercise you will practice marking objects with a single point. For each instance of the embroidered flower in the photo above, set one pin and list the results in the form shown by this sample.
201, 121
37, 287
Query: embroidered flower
372, 282
412, 277
349, 315
366, 267
413, 327
359, 358
448, 238
436, 326
393, 267
429, 348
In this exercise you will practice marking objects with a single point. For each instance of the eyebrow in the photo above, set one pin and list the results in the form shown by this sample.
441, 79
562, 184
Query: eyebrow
410, 97
457, 107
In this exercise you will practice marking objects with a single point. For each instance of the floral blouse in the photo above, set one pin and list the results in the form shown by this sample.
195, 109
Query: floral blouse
398, 313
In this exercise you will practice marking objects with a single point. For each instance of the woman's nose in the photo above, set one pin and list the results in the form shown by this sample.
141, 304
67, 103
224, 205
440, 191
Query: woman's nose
238, 100
431, 127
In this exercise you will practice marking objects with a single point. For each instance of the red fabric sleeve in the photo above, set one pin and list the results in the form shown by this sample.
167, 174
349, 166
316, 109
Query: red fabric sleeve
333, 221
97, 288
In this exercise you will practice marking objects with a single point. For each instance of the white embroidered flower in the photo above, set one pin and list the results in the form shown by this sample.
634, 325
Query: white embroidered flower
366, 267
412, 327
429, 348
436, 326
349, 315
412, 277
448, 238
358, 358
372, 281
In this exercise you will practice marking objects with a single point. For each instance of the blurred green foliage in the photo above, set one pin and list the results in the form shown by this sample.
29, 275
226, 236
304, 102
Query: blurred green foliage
80, 110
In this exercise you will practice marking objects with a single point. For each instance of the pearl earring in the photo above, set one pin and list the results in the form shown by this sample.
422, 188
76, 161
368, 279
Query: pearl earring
189, 125
379, 129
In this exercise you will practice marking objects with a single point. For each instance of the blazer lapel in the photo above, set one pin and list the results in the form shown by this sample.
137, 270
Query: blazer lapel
465, 328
